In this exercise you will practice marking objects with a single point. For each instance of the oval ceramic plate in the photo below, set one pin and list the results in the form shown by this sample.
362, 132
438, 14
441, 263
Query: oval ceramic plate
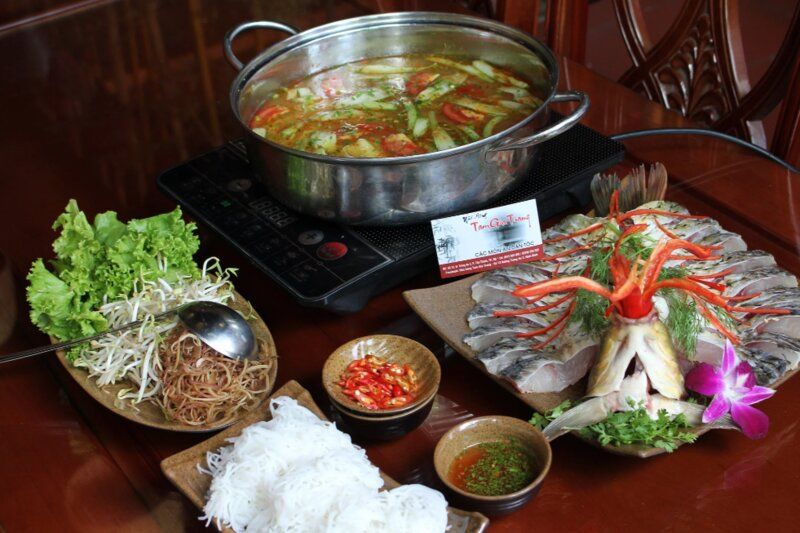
148, 413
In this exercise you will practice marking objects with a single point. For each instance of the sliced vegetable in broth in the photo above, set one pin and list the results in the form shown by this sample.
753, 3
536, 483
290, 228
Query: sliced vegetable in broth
395, 106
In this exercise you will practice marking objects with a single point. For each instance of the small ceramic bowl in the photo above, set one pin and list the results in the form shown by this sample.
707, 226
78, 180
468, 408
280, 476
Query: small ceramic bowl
393, 349
384, 427
491, 429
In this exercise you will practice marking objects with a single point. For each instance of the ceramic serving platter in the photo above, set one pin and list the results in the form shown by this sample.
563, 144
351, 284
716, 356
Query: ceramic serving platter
181, 468
444, 309
148, 413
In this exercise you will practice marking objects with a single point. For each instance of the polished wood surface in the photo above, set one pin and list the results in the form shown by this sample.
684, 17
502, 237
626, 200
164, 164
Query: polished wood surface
98, 102
697, 68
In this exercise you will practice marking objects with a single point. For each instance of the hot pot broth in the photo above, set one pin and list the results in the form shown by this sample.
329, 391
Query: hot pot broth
395, 106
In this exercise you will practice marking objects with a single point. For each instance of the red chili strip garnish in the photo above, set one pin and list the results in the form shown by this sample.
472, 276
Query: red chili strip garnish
706, 312
550, 339
713, 275
639, 212
538, 309
556, 322
588, 229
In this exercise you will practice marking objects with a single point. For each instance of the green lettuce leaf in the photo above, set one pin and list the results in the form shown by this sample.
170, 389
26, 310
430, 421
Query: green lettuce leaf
104, 260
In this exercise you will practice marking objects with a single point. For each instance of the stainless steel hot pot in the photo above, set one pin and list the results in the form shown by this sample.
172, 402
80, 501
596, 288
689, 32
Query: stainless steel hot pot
396, 190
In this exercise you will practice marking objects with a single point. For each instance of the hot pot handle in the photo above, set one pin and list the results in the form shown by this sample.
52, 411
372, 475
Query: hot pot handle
554, 129
227, 43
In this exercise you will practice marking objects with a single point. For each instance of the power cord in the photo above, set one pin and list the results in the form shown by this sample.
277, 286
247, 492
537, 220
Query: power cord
707, 133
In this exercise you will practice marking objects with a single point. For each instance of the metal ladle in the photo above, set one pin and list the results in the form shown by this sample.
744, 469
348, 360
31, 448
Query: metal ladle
217, 325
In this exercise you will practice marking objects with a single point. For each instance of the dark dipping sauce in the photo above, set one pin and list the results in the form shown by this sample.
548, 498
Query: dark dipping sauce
493, 468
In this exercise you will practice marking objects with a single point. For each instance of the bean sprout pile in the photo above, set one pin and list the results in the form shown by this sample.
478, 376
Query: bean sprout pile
200, 386
152, 355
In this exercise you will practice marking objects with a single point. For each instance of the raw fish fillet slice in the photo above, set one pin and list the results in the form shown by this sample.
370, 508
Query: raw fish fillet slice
666, 221
788, 325
569, 224
523, 274
551, 370
740, 261
483, 337
556, 248
688, 229
504, 352
788, 297
664, 205
767, 367
709, 347
781, 346
691, 229
496, 288
758, 280
482, 315
727, 241
567, 266
557, 375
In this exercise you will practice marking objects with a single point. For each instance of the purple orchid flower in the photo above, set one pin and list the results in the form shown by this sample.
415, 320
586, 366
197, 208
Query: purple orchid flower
734, 389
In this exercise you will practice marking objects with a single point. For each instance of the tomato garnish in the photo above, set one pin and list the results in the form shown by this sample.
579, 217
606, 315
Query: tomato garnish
470, 89
377, 384
399, 144
418, 81
459, 114
266, 113
331, 86
373, 127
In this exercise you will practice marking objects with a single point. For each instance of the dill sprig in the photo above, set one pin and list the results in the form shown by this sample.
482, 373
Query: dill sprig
683, 323
672, 273
590, 312
629, 427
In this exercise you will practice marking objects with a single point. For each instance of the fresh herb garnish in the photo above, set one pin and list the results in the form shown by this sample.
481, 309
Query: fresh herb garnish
684, 323
590, 313
636, 427
540, 420
629, 427
500, 468
672, 273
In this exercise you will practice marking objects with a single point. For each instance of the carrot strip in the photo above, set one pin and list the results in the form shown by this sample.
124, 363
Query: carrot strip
743, 297
588, 229
708, 283
659, 256
688, 286
552, 325
613, 204
720, 274
624, 290
706, 312
565, 253
692, 258
638, 212
636, 228
551, 338
665, 231
760, 310
531, 310
563, 284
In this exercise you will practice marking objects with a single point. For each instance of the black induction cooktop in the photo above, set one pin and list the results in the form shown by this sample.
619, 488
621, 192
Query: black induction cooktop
339, 267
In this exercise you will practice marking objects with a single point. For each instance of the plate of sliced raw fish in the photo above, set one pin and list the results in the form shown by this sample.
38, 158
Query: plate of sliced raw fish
532, 348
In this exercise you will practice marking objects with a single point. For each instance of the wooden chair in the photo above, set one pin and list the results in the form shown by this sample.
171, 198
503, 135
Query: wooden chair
697, 68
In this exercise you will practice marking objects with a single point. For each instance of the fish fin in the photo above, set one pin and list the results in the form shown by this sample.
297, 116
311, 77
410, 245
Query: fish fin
582, 415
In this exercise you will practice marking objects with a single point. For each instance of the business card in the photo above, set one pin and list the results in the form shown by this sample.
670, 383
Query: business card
488, 239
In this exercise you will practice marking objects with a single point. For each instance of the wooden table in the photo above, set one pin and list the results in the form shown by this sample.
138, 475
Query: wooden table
100, 99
